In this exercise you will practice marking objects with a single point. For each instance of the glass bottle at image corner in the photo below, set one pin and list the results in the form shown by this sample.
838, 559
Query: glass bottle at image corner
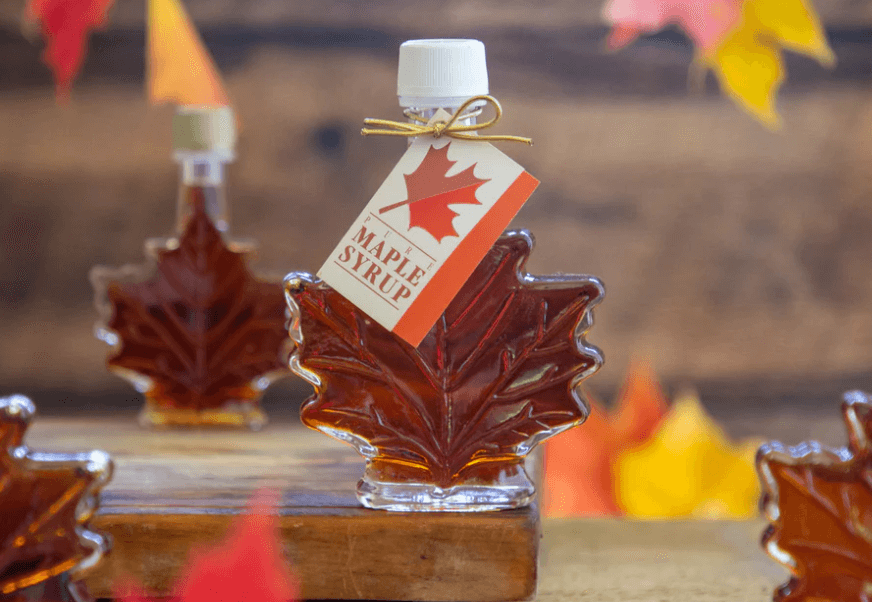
192, 328
447, 426
47, 502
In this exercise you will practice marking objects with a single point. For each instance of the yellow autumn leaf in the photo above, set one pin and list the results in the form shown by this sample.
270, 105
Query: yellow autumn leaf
748, 62
687, 469
793, 25
180, 68
751, 73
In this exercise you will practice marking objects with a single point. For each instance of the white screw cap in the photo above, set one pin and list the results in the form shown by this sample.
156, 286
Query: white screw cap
441, 73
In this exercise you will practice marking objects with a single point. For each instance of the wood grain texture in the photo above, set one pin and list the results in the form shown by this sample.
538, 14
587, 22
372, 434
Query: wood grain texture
640, 561
177, 490
443, 16
726, 250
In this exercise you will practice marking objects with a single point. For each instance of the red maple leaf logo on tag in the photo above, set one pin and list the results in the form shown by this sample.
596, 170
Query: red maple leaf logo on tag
430, 193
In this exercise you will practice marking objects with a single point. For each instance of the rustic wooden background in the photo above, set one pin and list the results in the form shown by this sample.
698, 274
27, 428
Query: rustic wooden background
735, 257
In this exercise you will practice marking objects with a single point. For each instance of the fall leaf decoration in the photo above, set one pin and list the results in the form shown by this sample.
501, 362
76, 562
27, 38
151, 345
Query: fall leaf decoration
579, 478
641, 405
202, 333
46, 500
741, 41
179, 67
499, 372
687, 469
248, 564
579, 464
819, 503
65, 27
706, 22
749, 63
431, 191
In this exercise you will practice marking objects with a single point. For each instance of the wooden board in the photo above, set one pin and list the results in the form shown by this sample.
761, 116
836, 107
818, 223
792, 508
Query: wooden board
176, 489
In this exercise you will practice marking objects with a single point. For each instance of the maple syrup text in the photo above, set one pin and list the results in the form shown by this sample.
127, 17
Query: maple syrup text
381, 264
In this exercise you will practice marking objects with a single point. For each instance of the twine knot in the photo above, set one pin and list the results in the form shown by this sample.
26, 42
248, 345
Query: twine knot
451, 128
438, 129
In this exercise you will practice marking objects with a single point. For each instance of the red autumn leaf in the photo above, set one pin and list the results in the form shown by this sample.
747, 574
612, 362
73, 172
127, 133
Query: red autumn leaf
203, 332
819, 503
65, 27
431, 191
247, 566
579, 465
498, 372
45, 503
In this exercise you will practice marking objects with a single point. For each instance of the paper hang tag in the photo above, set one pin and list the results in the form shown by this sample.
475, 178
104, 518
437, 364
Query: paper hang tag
425, 230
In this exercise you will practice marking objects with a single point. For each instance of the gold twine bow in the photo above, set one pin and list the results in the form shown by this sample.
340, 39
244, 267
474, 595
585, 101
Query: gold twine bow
450, 128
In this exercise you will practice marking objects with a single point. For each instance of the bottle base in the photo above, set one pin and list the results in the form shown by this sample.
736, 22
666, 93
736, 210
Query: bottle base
514, 490
232, 416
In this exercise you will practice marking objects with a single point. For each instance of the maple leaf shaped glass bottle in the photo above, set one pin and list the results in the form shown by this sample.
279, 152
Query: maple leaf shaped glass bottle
448, 425
819, 504
46, 500
194, 330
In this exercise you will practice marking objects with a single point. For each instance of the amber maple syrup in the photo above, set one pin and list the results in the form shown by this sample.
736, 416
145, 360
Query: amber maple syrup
196, 332
447, 424
46, 502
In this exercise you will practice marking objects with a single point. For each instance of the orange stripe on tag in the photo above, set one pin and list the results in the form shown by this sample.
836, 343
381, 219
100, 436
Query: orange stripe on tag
445, 284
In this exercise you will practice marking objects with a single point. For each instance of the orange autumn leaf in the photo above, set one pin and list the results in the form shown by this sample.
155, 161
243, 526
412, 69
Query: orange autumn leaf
180, 69
579, 464
578, 468
641, 405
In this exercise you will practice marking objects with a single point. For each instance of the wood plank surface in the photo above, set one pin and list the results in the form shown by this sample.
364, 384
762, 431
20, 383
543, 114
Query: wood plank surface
174, 490
668, 561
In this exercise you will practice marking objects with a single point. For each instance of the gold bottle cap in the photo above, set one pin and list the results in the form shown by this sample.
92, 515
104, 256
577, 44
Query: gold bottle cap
204, 129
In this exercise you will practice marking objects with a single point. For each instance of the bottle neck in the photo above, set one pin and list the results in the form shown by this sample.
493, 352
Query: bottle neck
201, 187
428, 112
